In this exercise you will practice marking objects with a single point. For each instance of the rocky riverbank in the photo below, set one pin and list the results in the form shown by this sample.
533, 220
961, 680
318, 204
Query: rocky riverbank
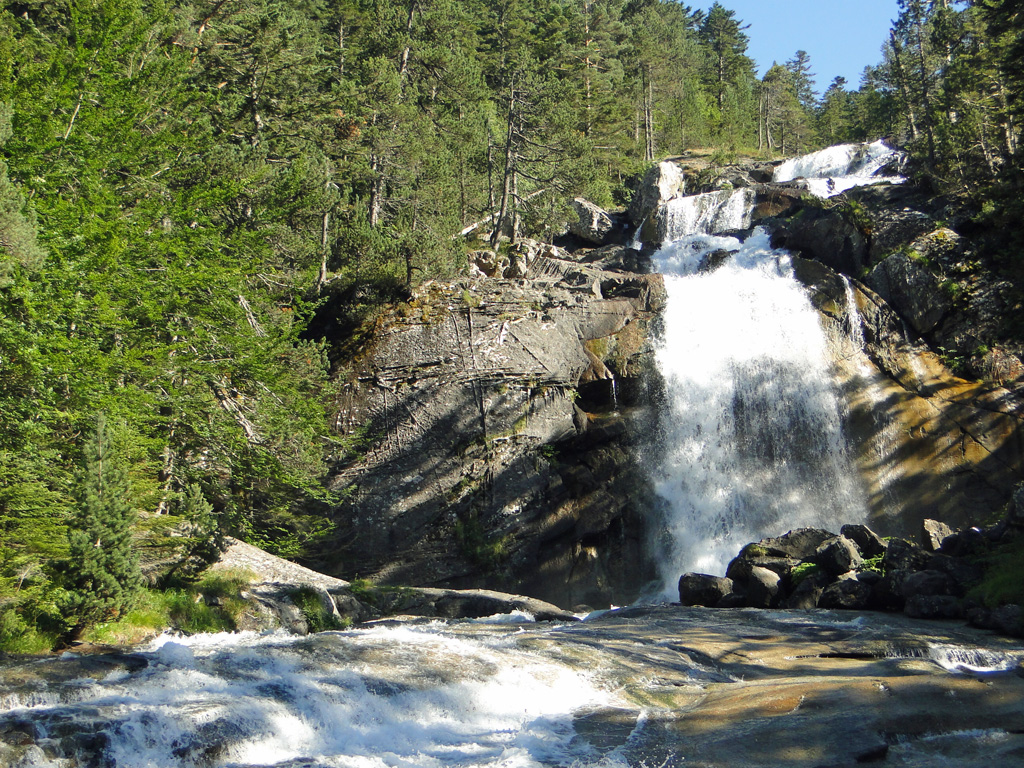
858, 570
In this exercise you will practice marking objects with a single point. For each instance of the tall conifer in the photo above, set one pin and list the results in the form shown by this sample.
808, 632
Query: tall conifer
103, 570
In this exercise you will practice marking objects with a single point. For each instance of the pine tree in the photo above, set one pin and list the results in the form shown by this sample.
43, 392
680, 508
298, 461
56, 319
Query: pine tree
103, 570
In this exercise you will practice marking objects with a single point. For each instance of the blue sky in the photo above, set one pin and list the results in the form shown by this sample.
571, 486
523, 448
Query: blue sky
841, 36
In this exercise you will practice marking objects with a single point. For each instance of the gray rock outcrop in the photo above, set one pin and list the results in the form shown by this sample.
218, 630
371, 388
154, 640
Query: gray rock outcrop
485, 449
661, 183
593, 223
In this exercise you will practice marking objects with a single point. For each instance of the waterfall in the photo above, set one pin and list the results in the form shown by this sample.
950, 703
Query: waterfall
752, 442
837, 169
711, 212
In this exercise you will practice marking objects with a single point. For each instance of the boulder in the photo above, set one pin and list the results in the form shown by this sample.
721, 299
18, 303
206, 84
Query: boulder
660, 184
868, 542
827, 236
762, 587
932, 534
593, 223
740, 567
837, 555
703, 589
928, 584
966, 543
964, 572
933, 607
798, 544
1016, 513
910, 289
846, 594
900, 560
806, 593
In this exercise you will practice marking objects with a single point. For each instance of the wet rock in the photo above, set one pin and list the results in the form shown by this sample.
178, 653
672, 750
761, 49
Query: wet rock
927, 583
847, 594
910, 289
868, 542
837, 555
797, 544
806, 593
703, 589
932, 534
762, 587
660, 184
933, 607
593, 223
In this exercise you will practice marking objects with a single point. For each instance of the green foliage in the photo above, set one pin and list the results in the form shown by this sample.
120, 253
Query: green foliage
479, 548
873, 564
1003, 580
803, 571
103, 577
318, 618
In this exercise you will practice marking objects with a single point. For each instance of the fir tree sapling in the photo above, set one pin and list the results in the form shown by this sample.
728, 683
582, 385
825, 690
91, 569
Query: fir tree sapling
104, 579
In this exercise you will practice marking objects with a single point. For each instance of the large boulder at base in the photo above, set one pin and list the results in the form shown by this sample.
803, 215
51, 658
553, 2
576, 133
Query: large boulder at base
593, 223
837, 555
848, 594
762, 587
660, 184
806, 593
868, 542
703, 589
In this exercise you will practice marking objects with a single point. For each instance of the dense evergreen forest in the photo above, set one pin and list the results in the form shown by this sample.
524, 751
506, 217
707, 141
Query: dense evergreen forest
181, 183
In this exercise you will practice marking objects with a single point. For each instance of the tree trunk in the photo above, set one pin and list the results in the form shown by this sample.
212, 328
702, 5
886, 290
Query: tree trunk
508, 178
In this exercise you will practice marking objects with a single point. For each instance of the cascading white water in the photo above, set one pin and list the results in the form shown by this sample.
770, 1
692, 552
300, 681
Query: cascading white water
753, 442
710, 212
842, 167
420, 696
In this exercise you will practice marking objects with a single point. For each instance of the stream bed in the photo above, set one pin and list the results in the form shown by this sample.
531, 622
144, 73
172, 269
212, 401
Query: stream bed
645, 686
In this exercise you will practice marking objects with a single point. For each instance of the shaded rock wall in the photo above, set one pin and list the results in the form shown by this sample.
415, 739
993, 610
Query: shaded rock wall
477, 464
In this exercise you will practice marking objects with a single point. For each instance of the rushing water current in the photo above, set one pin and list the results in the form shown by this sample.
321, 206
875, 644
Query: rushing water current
752, 442
638, 688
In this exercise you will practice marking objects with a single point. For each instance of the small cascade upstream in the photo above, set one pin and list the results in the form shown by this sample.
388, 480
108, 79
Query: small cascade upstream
752, 443
842, 167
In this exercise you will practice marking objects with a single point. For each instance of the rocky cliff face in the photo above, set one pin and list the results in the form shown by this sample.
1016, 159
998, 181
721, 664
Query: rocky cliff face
497, 419
929, 443
491, 451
